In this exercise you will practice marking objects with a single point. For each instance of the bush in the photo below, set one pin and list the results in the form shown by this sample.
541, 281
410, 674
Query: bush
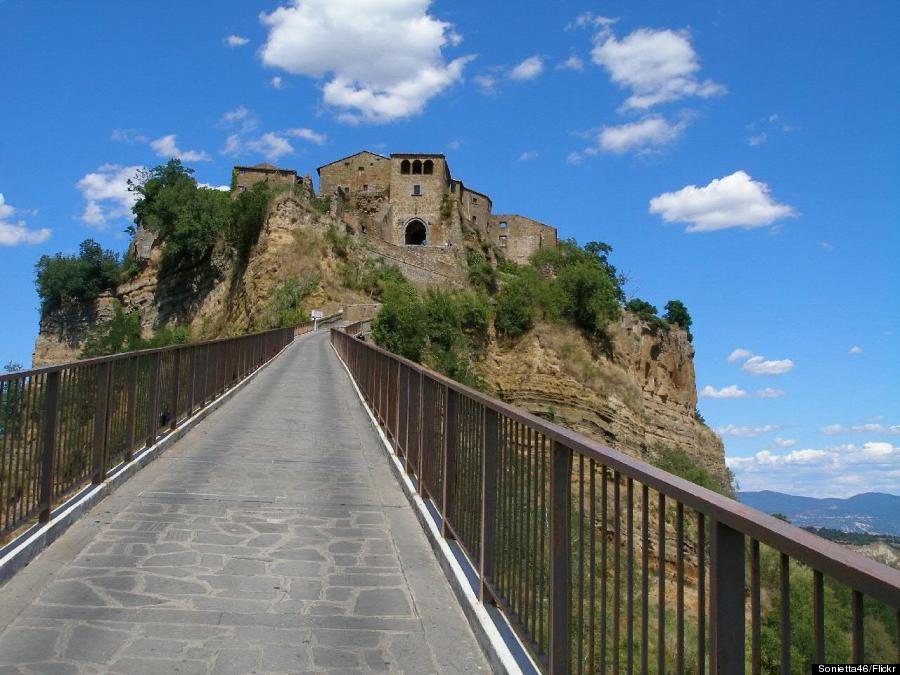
680, 463
481, 273
515, 309
79, 278
286, 306
322, 204
400, 324
677, 313
377, 276
642, 309
122, 333
591, 297
341, 243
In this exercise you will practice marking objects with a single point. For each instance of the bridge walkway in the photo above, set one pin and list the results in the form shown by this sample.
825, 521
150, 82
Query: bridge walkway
273, 538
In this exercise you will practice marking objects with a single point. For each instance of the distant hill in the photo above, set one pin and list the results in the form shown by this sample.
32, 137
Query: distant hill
871, 512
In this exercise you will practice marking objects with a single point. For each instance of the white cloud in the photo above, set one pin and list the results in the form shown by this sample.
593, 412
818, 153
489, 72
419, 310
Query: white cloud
129, 136
737, 431
276, 82
784, 442
732, 391
307, 135
838, 471
271, 145
759, 365
869, 428
382, 61
106, 194
220, 188
235, 41
528, 69
455, 144
165, 146
769, 392
828, 248
241, 118
528, 155
855, 349
733, 201
571, 63
487, 83
757, 139
14, 233
739, 354
641, 136
657, 66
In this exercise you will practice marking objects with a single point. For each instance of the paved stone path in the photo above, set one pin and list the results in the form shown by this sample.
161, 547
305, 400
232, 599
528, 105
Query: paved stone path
273, 538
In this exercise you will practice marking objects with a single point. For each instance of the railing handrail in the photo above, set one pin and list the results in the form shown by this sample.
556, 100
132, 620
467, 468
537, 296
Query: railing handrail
856, 570
94, 360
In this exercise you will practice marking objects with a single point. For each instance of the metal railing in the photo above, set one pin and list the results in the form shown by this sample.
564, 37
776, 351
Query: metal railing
64, 426
603, 563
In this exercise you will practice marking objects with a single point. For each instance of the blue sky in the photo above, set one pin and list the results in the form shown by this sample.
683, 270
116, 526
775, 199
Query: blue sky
742, 158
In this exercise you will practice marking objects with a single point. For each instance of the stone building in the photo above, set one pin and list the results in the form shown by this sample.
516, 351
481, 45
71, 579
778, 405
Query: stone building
246, 176
411, 199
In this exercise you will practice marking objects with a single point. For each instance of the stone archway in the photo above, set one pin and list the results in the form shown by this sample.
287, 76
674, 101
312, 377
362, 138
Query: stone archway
416, 233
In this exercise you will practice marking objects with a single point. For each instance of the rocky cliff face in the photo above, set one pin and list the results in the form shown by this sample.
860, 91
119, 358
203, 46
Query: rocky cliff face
640, 400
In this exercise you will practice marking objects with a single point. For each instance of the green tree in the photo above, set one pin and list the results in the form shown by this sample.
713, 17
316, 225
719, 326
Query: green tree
248, 215
122, 333
591, 296
643, 309
678, 314
79, 278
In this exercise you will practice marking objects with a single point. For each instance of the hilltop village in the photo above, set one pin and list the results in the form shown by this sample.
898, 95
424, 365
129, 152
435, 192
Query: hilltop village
409, 200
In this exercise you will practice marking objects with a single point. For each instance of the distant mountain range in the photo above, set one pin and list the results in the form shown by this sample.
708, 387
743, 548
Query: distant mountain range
871, 512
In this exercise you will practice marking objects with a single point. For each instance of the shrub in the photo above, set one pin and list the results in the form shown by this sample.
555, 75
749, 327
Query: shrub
515, 309
481, 273
680, 463
591, 297
642, 309
286, 306
377, 275
80, 277
341, 243
321, 204
400, 324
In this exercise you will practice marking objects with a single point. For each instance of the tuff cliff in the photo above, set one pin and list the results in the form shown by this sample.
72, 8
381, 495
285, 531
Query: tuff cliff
640, 399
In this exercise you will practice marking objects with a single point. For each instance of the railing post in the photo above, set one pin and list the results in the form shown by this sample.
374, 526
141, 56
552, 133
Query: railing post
153, 399
176, 386
49, 422
489, 428
131, 407
420, 429
726, 590
192, 396
101, 426
448, 455
560, 535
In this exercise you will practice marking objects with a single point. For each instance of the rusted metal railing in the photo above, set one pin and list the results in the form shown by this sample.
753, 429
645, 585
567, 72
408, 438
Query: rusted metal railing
603, 563
62, 427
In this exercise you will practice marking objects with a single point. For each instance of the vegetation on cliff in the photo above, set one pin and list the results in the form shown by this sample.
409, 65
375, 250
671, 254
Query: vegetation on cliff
76, 278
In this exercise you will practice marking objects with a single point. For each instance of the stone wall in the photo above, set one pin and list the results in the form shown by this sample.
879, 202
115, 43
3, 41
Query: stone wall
247, 176
476, 208
363, 172
423, 264
520, 237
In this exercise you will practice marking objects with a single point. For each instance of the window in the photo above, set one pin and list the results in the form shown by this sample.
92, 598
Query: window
404, 166
474, 200
428, 167
365, 188
361, 169
502, 241
452, 187
242, 188
417, 190
346, 163
417, 166
504, 225
474, 219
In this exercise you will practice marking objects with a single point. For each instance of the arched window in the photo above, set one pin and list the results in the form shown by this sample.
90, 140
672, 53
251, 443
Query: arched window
428, 167
416, 233
404, 166
417, 166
